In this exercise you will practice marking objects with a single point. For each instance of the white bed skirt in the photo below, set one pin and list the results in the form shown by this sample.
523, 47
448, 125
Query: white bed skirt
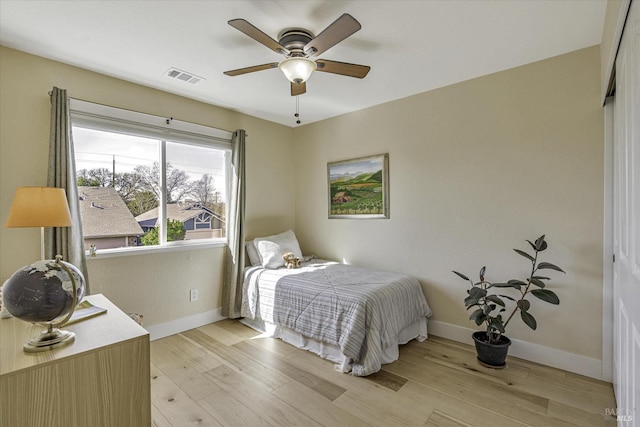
417, 330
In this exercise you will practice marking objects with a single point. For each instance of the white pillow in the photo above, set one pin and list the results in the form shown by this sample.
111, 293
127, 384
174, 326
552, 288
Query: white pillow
272, 248
252, 252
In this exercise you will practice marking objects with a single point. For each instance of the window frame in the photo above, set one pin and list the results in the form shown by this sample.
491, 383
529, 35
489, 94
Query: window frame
116, 120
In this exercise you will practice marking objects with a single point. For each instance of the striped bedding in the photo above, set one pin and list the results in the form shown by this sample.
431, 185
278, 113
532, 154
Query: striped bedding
359, 310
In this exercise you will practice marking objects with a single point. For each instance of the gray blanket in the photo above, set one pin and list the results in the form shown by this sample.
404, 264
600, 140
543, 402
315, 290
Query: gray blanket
359, 310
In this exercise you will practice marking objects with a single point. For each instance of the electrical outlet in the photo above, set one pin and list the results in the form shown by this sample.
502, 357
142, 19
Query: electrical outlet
193, 295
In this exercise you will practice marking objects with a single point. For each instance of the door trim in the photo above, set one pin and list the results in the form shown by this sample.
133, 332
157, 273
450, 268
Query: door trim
607, 246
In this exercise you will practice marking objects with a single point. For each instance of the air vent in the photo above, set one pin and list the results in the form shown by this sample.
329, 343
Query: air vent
183, 75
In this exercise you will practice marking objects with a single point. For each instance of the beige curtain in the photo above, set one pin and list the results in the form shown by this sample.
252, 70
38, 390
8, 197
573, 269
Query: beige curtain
65, 241
234, 256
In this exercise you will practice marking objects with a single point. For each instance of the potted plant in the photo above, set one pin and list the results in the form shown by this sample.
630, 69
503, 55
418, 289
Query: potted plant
492, 345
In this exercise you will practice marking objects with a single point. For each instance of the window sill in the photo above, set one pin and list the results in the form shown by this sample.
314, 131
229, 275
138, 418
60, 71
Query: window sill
122, 252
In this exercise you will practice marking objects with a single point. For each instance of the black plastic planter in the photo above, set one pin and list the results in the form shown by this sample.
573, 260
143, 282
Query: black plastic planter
491, 355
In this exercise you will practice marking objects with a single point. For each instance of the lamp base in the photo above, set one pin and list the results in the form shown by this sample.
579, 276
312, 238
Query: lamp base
49, 339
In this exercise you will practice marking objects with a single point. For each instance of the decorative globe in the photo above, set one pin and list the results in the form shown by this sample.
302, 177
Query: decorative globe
42, 291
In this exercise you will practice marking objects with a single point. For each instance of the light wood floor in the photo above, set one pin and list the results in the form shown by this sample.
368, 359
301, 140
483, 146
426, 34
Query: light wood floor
224, 374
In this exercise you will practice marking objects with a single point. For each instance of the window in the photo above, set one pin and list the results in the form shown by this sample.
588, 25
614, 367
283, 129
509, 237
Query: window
148, 181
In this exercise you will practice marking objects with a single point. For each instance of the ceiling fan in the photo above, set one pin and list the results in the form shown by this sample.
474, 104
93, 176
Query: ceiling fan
299, 46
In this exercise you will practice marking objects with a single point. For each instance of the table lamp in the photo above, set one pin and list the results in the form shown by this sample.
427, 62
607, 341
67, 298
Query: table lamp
46, 291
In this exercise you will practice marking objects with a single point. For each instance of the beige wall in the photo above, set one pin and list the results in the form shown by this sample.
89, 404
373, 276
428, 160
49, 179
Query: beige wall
154, 285
476, 169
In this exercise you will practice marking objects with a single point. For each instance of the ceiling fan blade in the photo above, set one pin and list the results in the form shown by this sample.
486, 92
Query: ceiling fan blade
342, 68
298, 88
256, 34
339, 30
252, 69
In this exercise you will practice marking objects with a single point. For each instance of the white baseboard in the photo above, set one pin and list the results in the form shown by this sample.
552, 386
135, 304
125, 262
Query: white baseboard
525, 350
176, 326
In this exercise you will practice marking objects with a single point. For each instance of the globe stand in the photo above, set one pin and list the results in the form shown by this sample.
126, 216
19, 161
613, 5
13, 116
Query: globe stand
54, 337
49, 339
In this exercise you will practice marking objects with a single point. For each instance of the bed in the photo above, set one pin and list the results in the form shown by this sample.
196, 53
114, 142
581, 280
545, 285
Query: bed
353, 316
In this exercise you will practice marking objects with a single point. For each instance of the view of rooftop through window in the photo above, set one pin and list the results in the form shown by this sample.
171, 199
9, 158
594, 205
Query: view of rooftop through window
120, 180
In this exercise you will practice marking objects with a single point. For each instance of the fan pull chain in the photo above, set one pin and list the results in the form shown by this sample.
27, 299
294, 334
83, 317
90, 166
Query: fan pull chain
297, 114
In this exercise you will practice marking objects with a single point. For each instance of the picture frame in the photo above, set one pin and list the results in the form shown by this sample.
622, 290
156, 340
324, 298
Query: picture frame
359, 188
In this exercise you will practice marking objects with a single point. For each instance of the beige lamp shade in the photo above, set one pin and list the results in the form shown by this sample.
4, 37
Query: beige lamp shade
39, 207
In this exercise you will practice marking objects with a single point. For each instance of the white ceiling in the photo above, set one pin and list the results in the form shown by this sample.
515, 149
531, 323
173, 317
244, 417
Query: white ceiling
411, 46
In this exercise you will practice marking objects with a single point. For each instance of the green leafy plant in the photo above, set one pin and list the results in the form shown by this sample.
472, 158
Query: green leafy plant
175, 231
490, 304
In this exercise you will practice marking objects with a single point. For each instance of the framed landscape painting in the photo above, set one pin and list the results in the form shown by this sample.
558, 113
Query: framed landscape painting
359, 188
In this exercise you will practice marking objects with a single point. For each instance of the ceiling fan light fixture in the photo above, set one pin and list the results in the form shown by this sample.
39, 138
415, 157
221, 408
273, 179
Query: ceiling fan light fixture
297, 69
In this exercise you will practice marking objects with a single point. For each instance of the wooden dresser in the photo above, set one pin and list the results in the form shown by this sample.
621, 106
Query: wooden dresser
101, 379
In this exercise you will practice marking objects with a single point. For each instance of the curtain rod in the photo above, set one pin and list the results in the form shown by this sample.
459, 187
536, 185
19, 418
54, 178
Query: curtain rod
142, 112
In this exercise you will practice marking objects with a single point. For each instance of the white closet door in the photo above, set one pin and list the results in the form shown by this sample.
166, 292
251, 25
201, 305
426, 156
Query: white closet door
626, 244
